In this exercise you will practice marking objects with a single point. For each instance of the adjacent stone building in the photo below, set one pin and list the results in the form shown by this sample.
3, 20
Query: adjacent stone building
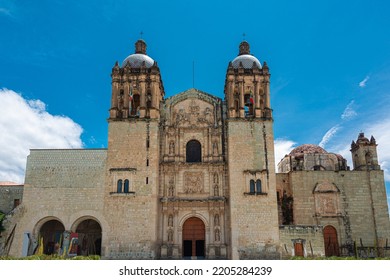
193, 176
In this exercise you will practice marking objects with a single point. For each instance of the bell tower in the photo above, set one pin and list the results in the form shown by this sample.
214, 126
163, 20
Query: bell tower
250, 159
132, 166
137, 87
247, 86
364, 153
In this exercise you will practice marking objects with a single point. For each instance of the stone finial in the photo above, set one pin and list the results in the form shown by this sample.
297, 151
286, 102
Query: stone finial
244, 48
140, 47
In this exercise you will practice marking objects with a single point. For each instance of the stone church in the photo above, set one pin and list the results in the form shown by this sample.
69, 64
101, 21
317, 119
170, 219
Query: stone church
193, 176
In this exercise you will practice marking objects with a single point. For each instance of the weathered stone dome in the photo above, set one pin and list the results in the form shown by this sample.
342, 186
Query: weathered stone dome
307, 149
362, 139
139, 59
244, 58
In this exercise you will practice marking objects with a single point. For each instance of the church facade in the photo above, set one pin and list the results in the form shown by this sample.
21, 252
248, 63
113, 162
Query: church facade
193, 176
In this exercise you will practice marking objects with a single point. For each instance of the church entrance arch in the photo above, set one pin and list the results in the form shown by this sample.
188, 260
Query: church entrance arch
331, 242
90, 237
50, 236
193, 238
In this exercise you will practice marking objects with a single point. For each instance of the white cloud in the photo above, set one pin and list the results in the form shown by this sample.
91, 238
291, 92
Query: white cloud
349, 113
329, 135
282, 147
364, 81
25, 124
381, 132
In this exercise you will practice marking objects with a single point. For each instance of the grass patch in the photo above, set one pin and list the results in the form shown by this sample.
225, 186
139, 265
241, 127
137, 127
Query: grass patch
51, 257
334, 258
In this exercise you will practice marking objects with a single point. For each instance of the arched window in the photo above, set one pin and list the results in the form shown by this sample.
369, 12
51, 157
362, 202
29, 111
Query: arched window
193, 151
126, 189
368, 158
135, 102
236, 106
258, 186
252, 186
119, 186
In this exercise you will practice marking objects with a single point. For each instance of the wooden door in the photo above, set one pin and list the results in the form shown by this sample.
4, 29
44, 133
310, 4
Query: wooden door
331, 242
193, 238
298, 248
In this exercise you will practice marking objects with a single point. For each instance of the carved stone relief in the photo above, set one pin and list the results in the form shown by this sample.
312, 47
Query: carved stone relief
326, 204
326, 197
171, 187
193, 182
193, 115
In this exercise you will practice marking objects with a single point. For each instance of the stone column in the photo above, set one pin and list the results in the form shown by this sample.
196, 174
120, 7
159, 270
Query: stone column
126, 90
230, 94
242, 101
115, 92
142, 90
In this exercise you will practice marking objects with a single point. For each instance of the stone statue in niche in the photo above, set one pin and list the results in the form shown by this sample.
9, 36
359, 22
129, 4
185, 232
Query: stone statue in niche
216, 190
217, 235
170, 221
171, 187
170, 235
171, 147
193, 182
215, 179
215, 149
216, 220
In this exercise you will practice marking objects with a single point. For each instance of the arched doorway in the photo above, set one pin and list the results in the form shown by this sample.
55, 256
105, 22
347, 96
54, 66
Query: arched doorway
90, 238
50, 235
331, 242
193, 238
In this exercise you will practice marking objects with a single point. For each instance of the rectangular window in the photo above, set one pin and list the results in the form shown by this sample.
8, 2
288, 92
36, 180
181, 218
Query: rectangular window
16, 202
147, 180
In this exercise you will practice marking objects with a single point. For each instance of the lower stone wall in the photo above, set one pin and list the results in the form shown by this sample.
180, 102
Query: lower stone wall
311, 238
131, 251
259, 252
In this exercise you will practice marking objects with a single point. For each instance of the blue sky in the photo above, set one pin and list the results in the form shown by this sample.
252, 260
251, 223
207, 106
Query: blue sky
329, 64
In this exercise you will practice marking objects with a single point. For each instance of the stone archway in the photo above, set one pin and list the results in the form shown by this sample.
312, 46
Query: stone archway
50, 236
331, 242
90, 237
194, 234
